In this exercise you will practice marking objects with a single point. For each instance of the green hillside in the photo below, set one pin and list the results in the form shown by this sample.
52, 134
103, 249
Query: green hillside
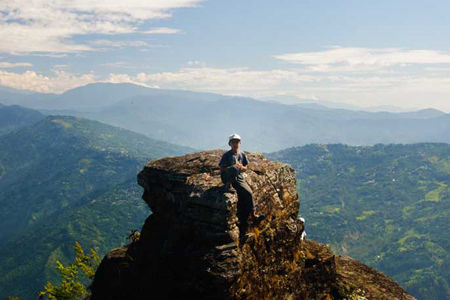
14, 116
386, 205
103, 223
65, 179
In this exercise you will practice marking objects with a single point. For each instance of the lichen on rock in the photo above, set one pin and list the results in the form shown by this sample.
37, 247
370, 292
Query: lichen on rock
190, 246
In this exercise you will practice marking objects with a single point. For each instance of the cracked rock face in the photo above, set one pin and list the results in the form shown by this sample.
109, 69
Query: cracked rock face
189, 247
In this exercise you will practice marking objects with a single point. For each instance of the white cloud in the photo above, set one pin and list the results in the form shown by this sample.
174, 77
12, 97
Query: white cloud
105, 44
403, 90
5, 64
232, 80
117, 78
47, 26
120, 65
347, 59
196, 63
408, 91
60, 66
32, 81
161, 30
50, 54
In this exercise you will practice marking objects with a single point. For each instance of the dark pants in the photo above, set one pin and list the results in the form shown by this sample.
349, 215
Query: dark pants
245, 204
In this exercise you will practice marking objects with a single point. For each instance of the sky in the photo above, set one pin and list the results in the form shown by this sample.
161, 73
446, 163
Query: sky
365, 53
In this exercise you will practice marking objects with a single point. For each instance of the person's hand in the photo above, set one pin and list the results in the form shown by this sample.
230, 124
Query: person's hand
241, 167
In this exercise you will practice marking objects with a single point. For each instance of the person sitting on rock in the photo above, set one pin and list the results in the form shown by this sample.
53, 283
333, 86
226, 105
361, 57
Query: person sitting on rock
232, 164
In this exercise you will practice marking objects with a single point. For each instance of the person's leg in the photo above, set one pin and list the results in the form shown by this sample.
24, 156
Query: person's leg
242, 215
228, 176
223, 177
245, 205
247, 194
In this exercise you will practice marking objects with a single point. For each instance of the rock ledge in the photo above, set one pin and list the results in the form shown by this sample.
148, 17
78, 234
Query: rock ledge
189, 246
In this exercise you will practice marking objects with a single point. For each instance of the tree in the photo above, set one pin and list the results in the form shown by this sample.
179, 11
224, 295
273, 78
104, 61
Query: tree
74, 277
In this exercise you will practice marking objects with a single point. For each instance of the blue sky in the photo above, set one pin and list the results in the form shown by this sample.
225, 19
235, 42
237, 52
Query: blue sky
367, 53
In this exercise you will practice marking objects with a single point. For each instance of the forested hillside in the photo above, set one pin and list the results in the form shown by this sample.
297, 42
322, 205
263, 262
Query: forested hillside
65, 179
14, 116
386, 205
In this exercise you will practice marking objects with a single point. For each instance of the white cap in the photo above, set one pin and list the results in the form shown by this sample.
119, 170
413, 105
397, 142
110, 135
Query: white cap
234, 136
303, 220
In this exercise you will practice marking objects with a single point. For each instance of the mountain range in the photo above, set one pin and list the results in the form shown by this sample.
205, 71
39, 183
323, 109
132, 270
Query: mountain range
65, 178
205, 120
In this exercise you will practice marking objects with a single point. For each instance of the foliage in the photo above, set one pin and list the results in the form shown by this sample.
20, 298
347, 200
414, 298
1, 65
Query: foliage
60, 161
66, 179
134, 235
73, 277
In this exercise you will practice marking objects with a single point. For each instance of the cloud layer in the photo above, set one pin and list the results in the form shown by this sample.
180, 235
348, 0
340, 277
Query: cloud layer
345, 59
424, 88
48, 26
33, 81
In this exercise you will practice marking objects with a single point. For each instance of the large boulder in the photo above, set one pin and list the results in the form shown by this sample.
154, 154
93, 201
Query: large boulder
190, 246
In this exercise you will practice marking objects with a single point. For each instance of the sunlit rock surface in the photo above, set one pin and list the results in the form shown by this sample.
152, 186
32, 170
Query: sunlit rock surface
190, 246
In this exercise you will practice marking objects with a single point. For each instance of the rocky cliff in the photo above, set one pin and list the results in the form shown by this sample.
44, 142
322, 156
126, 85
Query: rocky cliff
190, 246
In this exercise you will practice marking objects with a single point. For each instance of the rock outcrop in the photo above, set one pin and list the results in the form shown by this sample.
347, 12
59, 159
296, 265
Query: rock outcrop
190, 246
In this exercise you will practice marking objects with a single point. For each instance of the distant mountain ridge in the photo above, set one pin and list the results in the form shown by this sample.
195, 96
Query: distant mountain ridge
289, 99
204, 120
14, 116
91, 96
